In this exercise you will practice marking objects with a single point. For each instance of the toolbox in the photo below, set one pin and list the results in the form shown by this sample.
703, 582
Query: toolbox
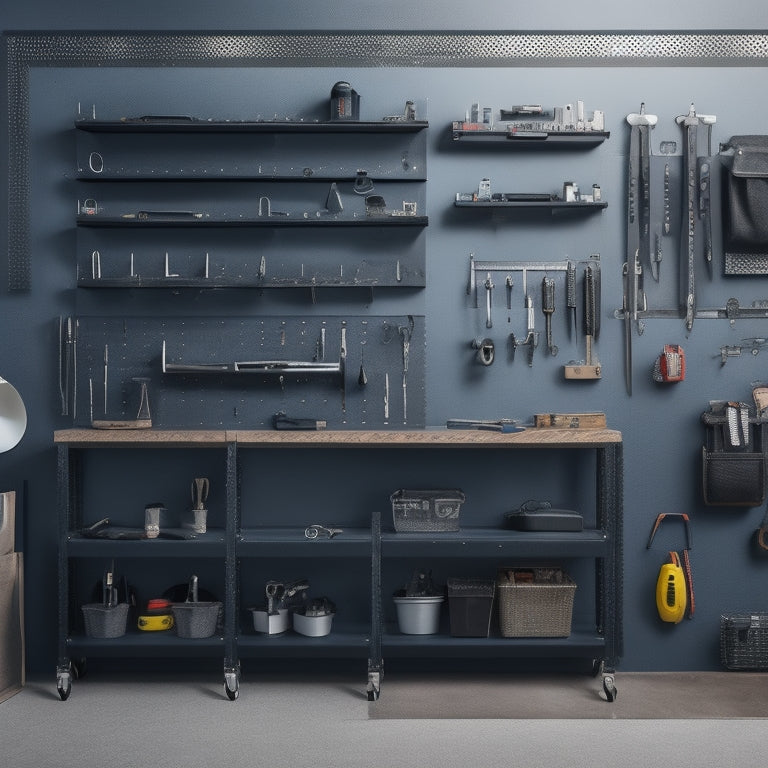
426, 511
744, 641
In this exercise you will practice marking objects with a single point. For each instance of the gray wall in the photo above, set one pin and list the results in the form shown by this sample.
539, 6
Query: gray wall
661, 426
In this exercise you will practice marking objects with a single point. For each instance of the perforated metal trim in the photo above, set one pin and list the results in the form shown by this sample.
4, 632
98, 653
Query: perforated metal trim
361, 49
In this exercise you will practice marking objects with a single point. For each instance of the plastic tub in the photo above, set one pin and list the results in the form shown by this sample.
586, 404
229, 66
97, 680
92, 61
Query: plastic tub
419, 615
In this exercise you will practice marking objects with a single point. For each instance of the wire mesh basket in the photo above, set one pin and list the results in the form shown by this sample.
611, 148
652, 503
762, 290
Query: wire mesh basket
744, 641
105, 622
196, 619
535, 602
426, 511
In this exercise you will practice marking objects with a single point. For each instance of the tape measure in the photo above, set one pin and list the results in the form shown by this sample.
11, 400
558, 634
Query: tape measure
155, 623
671, 592
674, 584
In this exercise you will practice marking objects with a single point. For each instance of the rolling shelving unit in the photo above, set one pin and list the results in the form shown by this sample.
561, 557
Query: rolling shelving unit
256, 537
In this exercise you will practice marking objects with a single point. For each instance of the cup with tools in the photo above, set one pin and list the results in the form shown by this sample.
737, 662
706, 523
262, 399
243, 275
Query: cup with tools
198, 515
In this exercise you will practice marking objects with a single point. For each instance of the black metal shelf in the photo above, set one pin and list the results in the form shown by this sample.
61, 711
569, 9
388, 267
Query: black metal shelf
198, 125
209, 544
554, 205
533, 138
271, 222
489, 542
142, 644
291, 542
581, 644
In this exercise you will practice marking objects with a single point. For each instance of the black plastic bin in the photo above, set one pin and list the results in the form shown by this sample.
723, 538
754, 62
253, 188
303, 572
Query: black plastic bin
470, 606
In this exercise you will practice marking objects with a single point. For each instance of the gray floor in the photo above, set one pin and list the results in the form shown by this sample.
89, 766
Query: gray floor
130, 723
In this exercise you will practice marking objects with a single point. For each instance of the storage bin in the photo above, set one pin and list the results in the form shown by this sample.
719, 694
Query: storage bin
539, 607
103, 622
426, 511
744, 641
470, 606
196, 619
418, 615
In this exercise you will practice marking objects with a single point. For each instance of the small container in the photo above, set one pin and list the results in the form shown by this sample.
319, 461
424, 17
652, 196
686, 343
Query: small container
196, 619
103, 622
470, 606
315, 618
271, 623
426, 511
418, 615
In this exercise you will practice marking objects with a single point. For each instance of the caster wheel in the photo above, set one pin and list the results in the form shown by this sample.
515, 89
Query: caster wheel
232, 684
64, 686
609, 688
373, 693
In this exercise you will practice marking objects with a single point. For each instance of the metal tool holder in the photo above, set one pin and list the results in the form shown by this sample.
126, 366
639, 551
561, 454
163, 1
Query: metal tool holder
516, 288
228, 372
241, 202
672, 264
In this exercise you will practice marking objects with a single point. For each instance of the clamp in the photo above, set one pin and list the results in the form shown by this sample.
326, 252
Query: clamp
316, 531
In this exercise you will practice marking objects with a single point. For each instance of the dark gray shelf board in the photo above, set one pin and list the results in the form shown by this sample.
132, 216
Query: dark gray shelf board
267, 221
197, 125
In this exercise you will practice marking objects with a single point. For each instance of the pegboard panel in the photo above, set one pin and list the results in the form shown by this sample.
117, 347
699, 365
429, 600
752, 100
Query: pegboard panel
238, 372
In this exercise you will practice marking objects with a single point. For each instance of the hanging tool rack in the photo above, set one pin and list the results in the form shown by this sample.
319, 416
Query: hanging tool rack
486, 278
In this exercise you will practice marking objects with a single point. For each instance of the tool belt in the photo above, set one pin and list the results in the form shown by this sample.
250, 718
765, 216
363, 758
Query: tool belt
745, 206
734, 455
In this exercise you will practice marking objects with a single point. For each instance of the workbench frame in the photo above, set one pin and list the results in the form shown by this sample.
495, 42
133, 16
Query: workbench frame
603, 544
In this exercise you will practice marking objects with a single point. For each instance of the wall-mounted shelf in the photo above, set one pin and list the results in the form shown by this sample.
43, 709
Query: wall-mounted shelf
528, 139
553, 205
271, 222
183, 124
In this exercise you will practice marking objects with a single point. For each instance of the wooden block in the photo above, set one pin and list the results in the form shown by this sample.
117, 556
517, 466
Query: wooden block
570, 420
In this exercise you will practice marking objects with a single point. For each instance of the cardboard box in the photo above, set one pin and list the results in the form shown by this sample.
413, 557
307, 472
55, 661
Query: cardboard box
12, 662
7, 522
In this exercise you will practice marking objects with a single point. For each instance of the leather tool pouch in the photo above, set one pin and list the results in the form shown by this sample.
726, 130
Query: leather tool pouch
734, 456
745, 206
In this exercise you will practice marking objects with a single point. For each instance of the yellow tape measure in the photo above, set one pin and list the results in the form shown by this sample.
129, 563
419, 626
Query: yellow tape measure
671, 597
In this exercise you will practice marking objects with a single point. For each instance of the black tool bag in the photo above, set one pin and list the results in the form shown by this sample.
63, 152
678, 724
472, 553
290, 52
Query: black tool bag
745, 206
734, 456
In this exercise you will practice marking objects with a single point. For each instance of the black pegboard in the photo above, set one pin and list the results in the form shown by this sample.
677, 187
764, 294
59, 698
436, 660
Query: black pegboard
364, 386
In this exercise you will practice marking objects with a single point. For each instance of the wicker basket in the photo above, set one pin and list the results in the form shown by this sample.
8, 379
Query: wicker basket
542, 607
744, 641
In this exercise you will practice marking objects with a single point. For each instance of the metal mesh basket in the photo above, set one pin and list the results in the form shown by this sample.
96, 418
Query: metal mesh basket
103, 622
426, 511
539, 608
196, 619
744, 641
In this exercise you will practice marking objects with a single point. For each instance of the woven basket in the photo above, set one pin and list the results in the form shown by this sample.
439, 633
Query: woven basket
543, 608
744, 641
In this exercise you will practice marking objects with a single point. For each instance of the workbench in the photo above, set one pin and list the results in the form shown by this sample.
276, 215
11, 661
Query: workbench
260, 528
